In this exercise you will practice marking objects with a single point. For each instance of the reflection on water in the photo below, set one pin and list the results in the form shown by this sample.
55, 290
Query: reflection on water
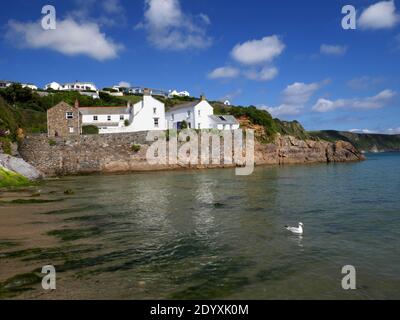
209, 234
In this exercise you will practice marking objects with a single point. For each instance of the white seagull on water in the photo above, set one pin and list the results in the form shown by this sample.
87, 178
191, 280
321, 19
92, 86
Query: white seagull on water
295, 230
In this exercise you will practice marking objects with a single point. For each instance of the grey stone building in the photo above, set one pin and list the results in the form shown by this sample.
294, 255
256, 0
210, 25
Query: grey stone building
64, 120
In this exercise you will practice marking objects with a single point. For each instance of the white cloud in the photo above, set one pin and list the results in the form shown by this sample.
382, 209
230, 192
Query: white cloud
111, 13
381, 15
124, 84
70, 38
393, 130
265, 74
294, 97
300, 93
366, 131
169, 28
375, 102
364, 82
284, 110
333, 50
255, 52
224, 73
113, 7
381, 131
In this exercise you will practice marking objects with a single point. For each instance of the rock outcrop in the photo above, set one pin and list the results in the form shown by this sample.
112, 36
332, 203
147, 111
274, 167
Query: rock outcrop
19, 166
116, 153
289, 150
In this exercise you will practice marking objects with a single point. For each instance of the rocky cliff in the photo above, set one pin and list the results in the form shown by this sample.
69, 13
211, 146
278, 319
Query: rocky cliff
290, 150
127, 152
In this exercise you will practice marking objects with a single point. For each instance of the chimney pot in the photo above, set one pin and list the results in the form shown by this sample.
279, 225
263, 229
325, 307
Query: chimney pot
77, 103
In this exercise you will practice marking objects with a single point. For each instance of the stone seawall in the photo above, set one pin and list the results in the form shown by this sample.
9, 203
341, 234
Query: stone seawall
115, 153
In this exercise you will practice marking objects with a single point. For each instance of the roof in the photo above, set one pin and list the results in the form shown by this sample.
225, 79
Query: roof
103, 110
224, 119
191, 104
79, 82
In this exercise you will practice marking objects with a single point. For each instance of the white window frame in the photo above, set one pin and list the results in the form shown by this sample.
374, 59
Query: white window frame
95, 118
154, 110
156, 122
71, 129
69, 115
109, 118
121, 117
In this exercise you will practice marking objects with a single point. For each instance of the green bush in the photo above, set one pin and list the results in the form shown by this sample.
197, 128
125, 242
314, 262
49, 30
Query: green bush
90, 130
126, 122
52, 142
135, 148
5, 145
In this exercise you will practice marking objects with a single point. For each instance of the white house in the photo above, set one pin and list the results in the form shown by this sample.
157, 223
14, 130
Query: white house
29, 85
5, 83
78, 86
75, 86
53, 85
146, 115
174, 93
199, 115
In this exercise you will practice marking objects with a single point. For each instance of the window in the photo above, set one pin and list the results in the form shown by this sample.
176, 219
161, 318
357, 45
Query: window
156, 123
71, 130
108, 118
121, 117
172, 117
154, 110
95, 118
199, 113
199, 126
70, 115
189, 114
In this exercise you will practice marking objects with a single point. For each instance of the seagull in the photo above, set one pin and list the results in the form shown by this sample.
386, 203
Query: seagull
295, 230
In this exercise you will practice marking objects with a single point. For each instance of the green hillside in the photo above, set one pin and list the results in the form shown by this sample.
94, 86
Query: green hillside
364, 142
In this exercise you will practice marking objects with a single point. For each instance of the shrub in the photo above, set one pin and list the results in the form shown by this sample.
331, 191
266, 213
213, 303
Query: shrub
52, 142
135, 148
90, 130
184, 125
126, 122
5, 145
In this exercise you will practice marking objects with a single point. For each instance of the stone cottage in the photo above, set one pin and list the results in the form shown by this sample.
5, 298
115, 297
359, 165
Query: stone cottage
63, 120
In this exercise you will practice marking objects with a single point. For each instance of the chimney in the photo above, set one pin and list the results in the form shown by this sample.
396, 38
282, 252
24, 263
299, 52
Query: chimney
146, 92
202, 97
77, 103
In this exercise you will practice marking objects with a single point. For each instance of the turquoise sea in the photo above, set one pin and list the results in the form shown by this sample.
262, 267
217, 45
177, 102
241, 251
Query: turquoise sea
208, 234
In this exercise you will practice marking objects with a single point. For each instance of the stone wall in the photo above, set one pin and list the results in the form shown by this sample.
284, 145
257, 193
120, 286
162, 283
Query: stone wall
114, 153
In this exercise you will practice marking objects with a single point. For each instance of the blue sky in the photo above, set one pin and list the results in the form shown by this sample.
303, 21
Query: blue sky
292, 58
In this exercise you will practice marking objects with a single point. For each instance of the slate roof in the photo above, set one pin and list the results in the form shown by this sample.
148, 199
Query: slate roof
103, 110
184, 105
224, 119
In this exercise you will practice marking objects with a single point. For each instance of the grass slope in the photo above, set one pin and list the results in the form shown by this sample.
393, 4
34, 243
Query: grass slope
11, 179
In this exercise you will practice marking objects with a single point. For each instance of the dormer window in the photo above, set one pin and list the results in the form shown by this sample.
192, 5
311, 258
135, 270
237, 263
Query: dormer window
69, 115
